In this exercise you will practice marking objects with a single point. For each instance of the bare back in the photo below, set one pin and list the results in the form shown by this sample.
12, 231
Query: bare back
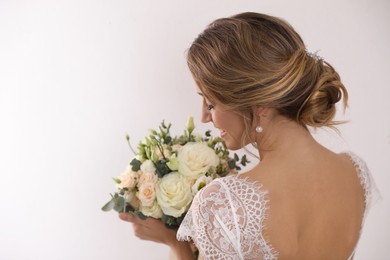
316, 207
311, 206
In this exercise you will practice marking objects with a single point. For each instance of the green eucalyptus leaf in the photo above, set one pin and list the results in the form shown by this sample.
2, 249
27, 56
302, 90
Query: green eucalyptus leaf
136, 165
232, 164
142, 216
244, 160
162, 167
167, 139
119, 204
109, 205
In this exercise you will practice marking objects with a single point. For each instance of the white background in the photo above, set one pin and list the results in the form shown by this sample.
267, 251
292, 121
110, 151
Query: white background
75, 76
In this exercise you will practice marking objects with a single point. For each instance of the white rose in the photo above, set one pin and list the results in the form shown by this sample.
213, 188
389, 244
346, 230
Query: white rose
195, 159
148, 166
146, 193
174, 194
153, 211
128, 179
200, 183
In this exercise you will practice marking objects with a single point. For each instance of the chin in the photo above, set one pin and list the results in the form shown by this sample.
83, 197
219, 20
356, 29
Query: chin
233, 146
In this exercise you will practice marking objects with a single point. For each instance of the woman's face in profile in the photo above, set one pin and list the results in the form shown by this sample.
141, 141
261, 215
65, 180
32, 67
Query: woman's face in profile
229, 123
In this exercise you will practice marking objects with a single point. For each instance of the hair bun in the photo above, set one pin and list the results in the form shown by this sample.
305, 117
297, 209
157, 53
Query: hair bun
319, 108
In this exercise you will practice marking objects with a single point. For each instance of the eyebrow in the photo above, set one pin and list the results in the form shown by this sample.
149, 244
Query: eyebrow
200, 94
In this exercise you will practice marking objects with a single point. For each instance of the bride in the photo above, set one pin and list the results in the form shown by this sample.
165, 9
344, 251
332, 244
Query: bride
259, 85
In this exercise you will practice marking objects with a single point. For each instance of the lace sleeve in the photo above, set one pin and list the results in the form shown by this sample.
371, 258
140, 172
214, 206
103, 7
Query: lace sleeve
225, 221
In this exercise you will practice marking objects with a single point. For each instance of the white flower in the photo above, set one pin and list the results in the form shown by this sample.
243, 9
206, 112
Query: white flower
153, 210
146, 193
139, 158
200, 183
148, 166
128, 178
174, 194
195, 159
173, 163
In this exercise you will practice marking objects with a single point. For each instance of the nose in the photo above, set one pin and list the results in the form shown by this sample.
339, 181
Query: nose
206, 115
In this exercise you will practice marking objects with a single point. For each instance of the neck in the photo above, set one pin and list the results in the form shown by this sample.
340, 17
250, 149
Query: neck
283, 137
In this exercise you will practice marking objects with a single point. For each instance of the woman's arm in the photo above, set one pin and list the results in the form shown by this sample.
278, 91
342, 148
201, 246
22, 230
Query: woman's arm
155, 230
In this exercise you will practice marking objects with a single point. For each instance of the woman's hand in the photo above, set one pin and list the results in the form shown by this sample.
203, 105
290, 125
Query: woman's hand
150, 229
155, 230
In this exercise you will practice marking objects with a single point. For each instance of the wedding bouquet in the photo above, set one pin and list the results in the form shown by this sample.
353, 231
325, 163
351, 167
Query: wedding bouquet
167, 171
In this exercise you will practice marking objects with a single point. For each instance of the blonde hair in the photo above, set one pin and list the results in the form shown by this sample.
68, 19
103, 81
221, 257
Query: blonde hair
253, 59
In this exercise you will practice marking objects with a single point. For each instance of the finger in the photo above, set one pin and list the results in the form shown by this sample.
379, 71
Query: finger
127, 217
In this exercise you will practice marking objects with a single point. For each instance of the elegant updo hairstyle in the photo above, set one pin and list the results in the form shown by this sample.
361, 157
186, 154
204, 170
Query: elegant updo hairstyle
253, 59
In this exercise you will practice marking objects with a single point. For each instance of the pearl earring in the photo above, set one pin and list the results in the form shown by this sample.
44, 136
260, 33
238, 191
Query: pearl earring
259, 129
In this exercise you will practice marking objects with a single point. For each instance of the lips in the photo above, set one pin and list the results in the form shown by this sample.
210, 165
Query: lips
223, 133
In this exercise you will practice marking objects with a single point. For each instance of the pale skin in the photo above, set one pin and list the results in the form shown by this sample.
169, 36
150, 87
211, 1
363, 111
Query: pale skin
316, 199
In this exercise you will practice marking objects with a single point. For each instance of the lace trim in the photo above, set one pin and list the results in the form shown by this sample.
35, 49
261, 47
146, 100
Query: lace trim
226, 220
368, 184
269, 252
364, 176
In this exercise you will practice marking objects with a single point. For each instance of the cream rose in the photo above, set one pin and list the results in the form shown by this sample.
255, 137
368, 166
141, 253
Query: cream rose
176, 147
153, 210
158, 155
195, 159
128, 179
147, 177
200, 183
174, 194
146, 193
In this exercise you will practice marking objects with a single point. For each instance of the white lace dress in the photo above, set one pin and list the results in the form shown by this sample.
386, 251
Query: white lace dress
226, 218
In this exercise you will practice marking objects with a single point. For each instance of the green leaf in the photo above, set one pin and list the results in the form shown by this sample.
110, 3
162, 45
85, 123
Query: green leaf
167, 139
244, 160
162, 167
136, 165
142, 216
232, 164
119, 205
117, 180
236, 157
109, 205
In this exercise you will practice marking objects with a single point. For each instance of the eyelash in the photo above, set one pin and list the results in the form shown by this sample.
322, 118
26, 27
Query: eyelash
209, 107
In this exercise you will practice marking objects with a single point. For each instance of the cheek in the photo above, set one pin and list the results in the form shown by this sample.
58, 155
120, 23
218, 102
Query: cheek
232, 123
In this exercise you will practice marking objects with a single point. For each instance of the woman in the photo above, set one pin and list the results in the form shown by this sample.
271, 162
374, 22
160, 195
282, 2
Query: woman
302, 201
